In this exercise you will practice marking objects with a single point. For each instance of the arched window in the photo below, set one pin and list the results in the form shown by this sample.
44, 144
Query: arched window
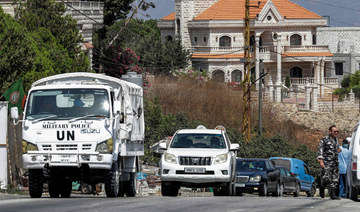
225, 41
295, 40
296, 72
218, 76
169, 38
236, 76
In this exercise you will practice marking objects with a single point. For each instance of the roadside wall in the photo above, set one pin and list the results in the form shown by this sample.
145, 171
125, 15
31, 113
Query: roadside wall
3, 142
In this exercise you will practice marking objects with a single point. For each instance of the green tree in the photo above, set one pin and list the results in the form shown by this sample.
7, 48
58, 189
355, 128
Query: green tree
355, 79
345, 82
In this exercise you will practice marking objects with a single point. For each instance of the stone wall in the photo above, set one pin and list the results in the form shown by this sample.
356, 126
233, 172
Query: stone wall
345, 120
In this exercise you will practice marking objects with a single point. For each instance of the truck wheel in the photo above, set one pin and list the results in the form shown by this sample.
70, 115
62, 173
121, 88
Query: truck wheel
169, 189
53, 189
131, 186
263, 190
121, 189
112, 183
65, 189
312, 191
35, 183
354, 193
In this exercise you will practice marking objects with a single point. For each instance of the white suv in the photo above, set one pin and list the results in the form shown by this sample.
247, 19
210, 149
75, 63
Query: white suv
199, 158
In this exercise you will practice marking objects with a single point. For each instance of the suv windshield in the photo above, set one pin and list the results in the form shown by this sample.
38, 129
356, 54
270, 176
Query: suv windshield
68, 104
214, 141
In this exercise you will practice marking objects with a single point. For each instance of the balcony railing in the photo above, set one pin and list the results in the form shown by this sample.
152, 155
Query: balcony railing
262, 49
304, 81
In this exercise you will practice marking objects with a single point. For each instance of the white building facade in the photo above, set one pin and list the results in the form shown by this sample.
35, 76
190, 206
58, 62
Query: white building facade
283, 36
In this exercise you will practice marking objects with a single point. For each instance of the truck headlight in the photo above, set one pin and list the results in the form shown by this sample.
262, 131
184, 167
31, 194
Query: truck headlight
221, 158
255, 179
169, 158
27, 146
105, 146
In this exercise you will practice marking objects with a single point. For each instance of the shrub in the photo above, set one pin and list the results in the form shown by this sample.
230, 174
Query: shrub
345, 82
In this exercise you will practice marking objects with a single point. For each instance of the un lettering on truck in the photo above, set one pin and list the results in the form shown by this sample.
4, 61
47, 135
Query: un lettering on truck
83, 127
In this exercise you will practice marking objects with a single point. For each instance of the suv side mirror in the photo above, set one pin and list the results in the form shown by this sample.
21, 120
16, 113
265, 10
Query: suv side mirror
234, 147
162, 146
14, 113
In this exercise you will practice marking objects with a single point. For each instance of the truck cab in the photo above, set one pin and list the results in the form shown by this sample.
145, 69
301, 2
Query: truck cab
82, 127
199, 158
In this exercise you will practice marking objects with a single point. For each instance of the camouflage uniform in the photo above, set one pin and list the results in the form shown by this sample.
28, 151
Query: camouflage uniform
328, 152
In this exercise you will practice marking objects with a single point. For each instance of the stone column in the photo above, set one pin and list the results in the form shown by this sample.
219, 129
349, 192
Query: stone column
278, 76
307, 96
314, 103
322, 77
271, 90
257, 60
317, 72
278, 60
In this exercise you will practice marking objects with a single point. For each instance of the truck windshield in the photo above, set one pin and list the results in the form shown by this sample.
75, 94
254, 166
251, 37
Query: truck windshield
214, 141
68, 104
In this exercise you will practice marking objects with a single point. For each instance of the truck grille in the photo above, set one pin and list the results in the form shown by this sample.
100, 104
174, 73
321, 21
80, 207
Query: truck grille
195, 161
66, 147
242, 179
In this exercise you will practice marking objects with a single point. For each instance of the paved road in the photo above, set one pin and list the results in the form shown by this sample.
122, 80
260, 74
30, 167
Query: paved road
77, 203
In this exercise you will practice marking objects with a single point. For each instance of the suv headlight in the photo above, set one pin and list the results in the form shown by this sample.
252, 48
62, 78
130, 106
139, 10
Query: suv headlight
105, 146
27, 146
221, 158
255, 179
169, 158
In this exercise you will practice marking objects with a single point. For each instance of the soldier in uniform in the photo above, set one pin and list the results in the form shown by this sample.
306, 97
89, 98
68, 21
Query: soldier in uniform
328, 150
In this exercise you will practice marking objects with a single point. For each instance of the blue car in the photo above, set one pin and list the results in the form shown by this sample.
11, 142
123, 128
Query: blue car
299, 169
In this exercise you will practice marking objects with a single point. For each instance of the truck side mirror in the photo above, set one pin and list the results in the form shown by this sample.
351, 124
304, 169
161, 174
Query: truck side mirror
117, 107
234, 147
14, 113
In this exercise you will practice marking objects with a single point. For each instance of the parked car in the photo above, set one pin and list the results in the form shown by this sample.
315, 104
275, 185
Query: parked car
300, 170
199, 158
288, 182
255, 174
353, 170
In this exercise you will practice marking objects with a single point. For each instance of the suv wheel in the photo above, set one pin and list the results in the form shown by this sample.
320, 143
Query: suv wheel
170, 189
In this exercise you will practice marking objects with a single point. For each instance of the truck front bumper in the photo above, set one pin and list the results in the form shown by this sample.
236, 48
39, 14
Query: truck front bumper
95, 160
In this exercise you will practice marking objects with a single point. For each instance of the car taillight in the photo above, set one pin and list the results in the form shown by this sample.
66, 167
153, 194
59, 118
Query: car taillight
354, 166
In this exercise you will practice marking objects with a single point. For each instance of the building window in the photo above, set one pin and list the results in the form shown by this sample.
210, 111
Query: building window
225, 41
269, 17
295, 40
218, 76
236, 76
339, 69
205, 39
169, 38
296, 72
195, 39
314, 39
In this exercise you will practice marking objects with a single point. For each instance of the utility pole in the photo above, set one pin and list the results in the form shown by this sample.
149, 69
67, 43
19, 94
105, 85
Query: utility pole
247, 82
260, 96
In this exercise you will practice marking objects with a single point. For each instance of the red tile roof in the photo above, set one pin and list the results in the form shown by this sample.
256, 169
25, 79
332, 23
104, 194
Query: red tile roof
235, 10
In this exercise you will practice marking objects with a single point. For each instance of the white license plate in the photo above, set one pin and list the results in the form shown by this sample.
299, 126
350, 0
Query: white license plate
239, 185
195, 170
63, 158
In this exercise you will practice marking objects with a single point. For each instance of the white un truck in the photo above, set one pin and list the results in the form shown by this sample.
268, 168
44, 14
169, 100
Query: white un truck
82, 127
